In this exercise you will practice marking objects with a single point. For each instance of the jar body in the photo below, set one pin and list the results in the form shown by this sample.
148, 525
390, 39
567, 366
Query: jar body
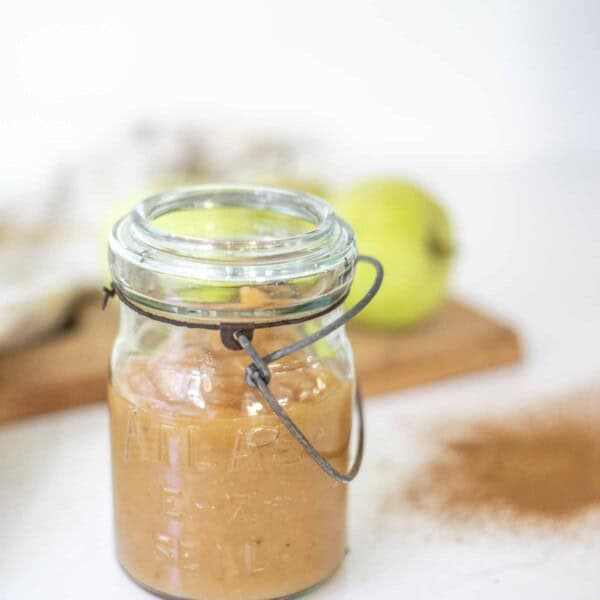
213, 498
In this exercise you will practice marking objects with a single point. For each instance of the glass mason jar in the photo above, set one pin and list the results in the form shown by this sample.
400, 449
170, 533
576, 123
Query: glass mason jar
215, 497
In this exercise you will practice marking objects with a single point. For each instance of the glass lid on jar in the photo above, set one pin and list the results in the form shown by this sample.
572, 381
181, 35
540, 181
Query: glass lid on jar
232, 254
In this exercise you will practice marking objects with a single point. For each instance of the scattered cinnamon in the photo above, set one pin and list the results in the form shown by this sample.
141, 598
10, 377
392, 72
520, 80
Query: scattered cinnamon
544, 464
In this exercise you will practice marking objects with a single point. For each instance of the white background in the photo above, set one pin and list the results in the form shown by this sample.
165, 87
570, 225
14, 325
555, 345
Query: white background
390, 84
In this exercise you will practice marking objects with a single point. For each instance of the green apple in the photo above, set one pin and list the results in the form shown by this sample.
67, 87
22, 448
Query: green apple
209, 294
119, 207
400, 224
231, 222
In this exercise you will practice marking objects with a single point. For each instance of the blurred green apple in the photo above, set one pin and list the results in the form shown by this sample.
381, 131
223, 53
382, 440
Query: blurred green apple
400, 224
121, 206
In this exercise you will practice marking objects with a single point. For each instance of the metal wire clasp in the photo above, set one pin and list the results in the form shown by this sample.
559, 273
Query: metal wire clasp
258, 375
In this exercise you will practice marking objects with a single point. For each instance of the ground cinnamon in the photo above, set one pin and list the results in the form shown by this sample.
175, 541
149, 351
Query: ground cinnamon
544, 465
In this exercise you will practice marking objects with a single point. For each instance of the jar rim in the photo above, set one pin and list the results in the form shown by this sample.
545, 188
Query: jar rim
300, 205
298, 271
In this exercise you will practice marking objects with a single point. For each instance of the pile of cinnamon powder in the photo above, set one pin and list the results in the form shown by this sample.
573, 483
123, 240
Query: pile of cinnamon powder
544, 465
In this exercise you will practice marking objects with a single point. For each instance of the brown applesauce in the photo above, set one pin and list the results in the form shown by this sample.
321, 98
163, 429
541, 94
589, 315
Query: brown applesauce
213, 498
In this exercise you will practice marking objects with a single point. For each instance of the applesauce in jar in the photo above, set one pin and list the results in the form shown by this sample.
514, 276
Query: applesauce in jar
213, 496
216, 496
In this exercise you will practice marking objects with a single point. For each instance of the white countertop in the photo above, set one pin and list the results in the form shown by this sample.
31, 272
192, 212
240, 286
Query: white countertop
531, 252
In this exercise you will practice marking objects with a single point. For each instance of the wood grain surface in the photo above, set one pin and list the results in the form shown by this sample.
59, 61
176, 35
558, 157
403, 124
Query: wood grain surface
458, 340
71, 367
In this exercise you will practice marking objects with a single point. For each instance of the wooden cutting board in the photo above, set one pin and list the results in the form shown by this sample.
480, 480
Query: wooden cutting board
70, 368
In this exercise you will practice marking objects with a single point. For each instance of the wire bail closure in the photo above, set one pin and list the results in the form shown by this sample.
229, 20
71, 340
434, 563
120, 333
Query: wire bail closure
258, 374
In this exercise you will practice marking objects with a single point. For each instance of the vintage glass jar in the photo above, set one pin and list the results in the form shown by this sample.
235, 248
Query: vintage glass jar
215, 497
